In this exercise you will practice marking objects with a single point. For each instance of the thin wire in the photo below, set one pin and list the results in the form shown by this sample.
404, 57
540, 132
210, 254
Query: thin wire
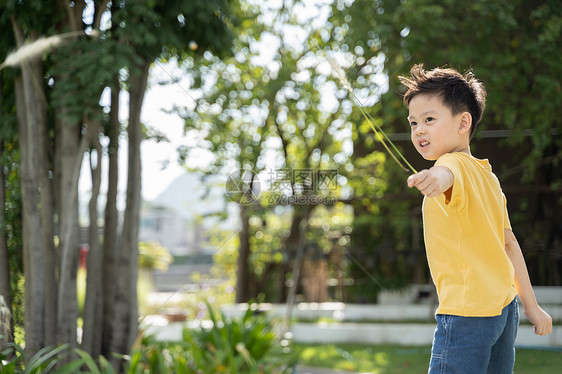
159, 308
227, 134
372, 123
383, 139
375, 280
218, 126
376, 128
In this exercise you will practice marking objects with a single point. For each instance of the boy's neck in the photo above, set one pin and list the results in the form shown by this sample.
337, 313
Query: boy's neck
465, 148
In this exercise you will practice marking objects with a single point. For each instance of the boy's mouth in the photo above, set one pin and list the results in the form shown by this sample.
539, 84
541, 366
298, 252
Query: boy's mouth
423, 144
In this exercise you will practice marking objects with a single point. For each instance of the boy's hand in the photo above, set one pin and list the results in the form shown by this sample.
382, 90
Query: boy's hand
541, 320
432, 182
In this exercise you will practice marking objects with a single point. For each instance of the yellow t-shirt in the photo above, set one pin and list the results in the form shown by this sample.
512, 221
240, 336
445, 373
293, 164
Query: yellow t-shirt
466, 250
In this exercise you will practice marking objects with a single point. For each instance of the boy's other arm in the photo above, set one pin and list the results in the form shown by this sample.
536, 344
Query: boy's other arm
539, 318
432, 182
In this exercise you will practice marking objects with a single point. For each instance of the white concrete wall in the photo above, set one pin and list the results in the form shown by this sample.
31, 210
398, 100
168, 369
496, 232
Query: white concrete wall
397, 323
360, 312
406, 334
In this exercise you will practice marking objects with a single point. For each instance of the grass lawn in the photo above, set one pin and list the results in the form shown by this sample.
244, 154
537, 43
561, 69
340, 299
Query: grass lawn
384, 359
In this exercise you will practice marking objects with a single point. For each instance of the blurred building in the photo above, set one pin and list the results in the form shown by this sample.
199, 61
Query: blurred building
181, 217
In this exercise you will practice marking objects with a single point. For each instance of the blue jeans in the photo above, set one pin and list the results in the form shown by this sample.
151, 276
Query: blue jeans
475, 345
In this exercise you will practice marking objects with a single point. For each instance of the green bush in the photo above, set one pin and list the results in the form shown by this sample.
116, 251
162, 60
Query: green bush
153, 256
245, 346
248, 346
12, 361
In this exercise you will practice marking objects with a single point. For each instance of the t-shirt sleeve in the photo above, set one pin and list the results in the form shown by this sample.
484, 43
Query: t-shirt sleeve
506, 222
455, 197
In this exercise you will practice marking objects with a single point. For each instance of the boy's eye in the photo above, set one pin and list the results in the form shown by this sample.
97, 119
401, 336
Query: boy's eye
412, 124
429, 119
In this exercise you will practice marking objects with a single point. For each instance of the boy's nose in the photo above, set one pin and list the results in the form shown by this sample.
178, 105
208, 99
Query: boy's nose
419, 130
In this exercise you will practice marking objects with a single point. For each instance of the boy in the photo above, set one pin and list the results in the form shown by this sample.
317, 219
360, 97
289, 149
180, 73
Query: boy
475, 261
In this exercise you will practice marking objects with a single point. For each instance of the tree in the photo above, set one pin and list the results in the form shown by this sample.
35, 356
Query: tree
252, 111
59, 118
511, 47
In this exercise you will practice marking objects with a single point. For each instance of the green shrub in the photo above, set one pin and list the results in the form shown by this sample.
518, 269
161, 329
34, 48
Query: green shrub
247, 346
153, 256
230, 346
47, 360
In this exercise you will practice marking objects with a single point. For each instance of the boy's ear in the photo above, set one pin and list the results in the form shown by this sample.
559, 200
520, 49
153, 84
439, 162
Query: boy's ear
465, 122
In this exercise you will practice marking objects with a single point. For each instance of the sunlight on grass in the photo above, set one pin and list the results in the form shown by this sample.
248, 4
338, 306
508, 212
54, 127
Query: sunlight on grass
307, 354
352, 358
383, 359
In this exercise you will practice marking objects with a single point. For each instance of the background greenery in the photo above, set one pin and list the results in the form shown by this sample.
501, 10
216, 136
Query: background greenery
251, 111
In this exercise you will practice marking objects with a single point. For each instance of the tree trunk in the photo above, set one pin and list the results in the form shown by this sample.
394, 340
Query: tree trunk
69, 156
30, 101
293, 241
31, 222
298, 227
111, 222
93, 308
243, 269
5, 289
46, 188
126, 309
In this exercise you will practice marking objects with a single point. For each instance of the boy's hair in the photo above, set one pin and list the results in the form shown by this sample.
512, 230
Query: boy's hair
461, 93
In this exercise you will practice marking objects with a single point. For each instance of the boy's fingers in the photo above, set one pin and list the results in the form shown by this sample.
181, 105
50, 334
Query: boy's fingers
424, 184
412, 180
416, 179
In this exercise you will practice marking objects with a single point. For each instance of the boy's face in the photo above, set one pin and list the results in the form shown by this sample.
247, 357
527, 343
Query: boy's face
434, 129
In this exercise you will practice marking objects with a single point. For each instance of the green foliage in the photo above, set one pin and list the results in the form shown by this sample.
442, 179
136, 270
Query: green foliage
152, 255
272, 114
74, 75
509, 46
163, 358
12, 359
72, 72
248, 345
11, 223
224, 258
166, 29
8, 125
48, 359
39, 16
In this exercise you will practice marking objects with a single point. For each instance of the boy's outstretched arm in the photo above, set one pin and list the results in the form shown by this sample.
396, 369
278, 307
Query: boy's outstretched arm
432, 182
539, 318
